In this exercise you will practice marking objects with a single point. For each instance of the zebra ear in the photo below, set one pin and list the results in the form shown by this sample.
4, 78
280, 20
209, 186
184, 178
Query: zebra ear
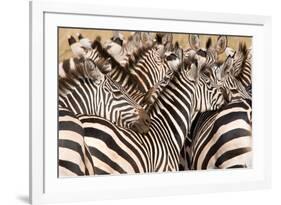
158, 38
193, 73
221, 44
116, 34
98, 39
209, 43
226, 66
167, 38
135, 39
133, 42
194, 41
179, 52
177, 46
147, 38
167, 41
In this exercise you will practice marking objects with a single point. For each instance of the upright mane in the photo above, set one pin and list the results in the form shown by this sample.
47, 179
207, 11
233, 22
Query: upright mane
242, 60
134, 57
75, 70
133, 60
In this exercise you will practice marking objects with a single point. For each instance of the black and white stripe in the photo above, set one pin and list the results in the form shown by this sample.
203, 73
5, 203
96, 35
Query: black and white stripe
74, 157
102, 96
117, 150
223, 139
143, 70
242, 66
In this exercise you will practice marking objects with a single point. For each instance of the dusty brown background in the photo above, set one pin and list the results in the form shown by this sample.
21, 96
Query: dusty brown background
65, 52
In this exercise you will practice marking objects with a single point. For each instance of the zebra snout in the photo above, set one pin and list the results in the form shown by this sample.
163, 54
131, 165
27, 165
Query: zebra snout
142, 124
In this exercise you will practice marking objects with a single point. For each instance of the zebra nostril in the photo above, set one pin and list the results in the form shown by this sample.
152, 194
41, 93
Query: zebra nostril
134, 127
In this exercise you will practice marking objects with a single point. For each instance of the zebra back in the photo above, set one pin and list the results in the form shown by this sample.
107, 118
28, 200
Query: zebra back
74, 157
222, 139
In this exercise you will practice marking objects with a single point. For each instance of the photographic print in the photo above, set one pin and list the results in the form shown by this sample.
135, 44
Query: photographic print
133, 102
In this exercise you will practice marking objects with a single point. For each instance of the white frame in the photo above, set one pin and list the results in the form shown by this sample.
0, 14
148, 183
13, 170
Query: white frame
259, 177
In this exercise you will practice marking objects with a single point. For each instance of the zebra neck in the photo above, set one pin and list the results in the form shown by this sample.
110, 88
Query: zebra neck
174, 109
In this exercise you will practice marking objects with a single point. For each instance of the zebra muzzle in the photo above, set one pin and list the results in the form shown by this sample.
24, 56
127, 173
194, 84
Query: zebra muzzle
142, 124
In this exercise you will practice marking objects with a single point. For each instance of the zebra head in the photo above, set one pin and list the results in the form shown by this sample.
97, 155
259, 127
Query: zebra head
120, 49
222, 74
77, 67
125, 110
175, 57
115, 47
84, 91
207, 95
157, 77
209, 54
164, 43
139, 40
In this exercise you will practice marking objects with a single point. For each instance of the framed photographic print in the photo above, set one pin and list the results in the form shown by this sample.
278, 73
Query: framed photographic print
127, 102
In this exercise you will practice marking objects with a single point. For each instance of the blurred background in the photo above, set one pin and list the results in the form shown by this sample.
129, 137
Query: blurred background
65, 51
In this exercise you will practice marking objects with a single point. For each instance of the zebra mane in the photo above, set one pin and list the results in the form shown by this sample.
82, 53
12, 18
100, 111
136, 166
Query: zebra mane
103, 53
134, 57
72, 76
132, 60
243, 52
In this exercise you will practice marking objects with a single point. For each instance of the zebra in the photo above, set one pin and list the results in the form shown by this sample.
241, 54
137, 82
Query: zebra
242, 66
120, 49
143, 58
211, 58
86, 115
175, 60
217, 125
74, 158
222, 75
144, 69
209, 54
230, 126
84, 89
117, 150
234, 118
223, 138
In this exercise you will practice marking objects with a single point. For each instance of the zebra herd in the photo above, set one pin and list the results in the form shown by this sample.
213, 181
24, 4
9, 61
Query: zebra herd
145, 104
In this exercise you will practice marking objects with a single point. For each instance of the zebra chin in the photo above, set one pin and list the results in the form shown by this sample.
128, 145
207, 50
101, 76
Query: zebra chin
142, 124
